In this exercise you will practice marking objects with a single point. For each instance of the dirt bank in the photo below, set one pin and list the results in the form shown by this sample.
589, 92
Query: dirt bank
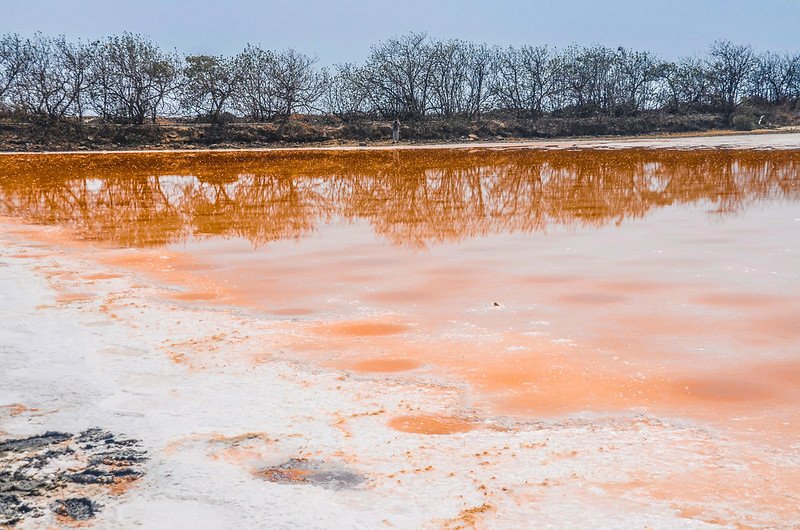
319, 131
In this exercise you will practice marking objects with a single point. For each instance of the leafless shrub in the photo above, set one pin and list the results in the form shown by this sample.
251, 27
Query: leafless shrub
129, 79
14, 59
132, 79
209, 83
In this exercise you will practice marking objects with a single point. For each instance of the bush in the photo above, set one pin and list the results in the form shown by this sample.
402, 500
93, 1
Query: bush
744, 122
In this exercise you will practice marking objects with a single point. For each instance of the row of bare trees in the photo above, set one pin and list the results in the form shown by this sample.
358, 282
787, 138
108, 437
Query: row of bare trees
413, 76
130, 79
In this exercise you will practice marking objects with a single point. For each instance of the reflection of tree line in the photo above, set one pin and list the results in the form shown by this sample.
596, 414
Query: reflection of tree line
413, 198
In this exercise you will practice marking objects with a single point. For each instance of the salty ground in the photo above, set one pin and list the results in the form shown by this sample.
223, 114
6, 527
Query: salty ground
593, 335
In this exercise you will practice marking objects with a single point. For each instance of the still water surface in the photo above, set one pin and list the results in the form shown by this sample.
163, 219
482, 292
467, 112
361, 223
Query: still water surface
551, 282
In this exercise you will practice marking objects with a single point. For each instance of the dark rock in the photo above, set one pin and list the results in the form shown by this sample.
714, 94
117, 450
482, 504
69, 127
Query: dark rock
32, 469
119, 457
12, 509
95, 475
33, 442
78, 508
91, 476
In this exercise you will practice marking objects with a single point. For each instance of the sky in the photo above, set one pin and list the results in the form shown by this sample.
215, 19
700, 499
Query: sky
344, 30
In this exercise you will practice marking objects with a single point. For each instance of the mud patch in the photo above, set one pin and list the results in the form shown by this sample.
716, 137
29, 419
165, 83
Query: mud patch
248, 450
292, 311
64, 473
314, 472
469, 517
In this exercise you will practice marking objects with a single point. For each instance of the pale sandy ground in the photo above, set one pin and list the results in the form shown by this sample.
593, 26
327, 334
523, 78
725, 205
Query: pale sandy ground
79, 350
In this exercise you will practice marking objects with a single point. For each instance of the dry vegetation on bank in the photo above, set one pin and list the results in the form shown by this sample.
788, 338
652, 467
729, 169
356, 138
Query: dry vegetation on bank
126, 92
302, 130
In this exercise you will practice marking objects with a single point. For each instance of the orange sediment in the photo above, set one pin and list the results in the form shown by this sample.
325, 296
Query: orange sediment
362, 328
101, 276
431, 424
66, 298
385, 365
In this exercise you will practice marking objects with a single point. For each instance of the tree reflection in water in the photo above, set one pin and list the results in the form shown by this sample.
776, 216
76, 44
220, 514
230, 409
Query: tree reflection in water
413, 198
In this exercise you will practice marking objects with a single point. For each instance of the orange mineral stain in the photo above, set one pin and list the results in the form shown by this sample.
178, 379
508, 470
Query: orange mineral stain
195, 296
362, 329
101, 276
431, 424
67, 298
385, 365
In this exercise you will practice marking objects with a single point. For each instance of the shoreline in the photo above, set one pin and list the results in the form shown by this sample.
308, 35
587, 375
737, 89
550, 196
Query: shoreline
726, 139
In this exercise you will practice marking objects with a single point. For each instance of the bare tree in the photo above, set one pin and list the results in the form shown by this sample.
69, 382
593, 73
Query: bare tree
129, 79
257, 94
397, 76
44, 88
344, 97
590, 79
298, 84
480, 71
640, 76
775, 78
277, 84
14, 58
132, 79
75, 58
688, 85
729, 66
209, 84
578, 78
526, 79
460, 78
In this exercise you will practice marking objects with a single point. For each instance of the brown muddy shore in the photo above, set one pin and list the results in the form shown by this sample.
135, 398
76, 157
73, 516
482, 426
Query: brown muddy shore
310, 131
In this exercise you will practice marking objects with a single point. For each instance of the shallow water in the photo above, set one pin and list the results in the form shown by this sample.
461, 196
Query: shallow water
551, 282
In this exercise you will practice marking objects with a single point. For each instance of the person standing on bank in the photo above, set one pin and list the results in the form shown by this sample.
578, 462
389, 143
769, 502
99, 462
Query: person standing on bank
396, 130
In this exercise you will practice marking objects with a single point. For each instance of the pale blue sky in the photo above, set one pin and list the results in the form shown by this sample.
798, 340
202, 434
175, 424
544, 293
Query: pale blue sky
344, 30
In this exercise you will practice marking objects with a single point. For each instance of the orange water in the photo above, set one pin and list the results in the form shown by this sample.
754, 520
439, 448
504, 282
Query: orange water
551, 282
